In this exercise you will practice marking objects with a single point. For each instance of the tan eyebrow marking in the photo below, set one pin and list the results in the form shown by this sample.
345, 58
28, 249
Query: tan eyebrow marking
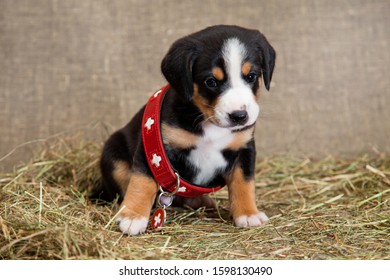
218, 73
246, 68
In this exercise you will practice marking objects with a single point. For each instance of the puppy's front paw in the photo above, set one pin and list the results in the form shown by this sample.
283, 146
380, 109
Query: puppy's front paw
132, 226
258, 219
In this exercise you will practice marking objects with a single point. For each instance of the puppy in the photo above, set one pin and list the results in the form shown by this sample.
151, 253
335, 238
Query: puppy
207, 122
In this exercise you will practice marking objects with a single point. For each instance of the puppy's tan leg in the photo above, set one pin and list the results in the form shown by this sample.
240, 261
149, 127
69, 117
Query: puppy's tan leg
243, 200
137, 203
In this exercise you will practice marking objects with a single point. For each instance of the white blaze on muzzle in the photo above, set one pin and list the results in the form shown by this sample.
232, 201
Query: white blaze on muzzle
239, 95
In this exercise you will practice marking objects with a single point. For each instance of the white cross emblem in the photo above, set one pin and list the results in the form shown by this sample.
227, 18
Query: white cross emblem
157, 220
157, 93
149, 123
156, 160
182, 189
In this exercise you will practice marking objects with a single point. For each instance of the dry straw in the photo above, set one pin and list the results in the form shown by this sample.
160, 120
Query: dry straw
328, 209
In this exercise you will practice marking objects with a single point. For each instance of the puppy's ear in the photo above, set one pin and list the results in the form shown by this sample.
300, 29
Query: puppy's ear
268, 56
177, 66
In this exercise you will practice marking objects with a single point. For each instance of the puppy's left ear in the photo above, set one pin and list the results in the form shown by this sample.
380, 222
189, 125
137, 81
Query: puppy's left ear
268, 56
177, 66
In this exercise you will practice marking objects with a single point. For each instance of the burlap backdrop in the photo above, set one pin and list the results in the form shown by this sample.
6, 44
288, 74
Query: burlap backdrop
71, 64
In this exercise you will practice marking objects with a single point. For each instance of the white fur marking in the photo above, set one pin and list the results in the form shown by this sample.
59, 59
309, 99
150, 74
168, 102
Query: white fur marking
234, 53
132, 227
256, 220
207, 156
239, 96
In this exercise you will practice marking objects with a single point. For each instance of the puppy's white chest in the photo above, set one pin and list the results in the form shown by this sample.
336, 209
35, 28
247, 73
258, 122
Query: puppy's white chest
207, 156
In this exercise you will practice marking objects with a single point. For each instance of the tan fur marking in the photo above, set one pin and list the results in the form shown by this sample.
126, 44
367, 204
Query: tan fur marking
218, 73
122, 174
246, 68
241, 138
241, 194
139, 196
177, 137
202, 104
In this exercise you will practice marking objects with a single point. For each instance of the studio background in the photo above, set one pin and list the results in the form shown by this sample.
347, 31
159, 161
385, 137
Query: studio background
90, 65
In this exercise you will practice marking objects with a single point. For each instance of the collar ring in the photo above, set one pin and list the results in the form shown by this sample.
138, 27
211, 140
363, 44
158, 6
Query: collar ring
163, 192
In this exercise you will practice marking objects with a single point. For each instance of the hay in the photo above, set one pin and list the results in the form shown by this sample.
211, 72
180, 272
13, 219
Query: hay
328, 209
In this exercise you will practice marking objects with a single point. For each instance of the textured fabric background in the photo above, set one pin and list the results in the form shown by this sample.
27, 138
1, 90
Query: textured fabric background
66, 64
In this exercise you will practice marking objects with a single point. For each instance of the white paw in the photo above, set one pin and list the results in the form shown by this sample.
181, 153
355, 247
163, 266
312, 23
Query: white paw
255, 220
132, 226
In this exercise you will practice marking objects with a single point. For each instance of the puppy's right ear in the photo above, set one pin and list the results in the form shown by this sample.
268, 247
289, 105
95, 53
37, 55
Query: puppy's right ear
177, 66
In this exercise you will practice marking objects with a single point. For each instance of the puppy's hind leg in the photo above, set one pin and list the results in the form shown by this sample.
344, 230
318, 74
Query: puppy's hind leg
137, 203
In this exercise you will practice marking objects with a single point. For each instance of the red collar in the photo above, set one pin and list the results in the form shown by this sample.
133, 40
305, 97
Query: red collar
158, 162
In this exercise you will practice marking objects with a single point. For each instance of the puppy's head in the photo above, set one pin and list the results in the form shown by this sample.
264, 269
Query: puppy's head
219, 69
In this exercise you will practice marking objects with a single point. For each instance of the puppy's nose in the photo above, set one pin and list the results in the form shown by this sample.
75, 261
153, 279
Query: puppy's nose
238, 117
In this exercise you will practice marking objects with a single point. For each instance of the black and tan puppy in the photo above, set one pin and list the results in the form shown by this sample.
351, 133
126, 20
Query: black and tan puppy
207, 125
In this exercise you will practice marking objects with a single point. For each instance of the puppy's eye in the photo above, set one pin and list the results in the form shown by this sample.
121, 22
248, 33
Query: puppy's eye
211, 83
251, 77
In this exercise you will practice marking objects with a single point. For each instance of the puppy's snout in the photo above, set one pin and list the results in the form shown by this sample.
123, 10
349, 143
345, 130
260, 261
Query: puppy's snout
238, 117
